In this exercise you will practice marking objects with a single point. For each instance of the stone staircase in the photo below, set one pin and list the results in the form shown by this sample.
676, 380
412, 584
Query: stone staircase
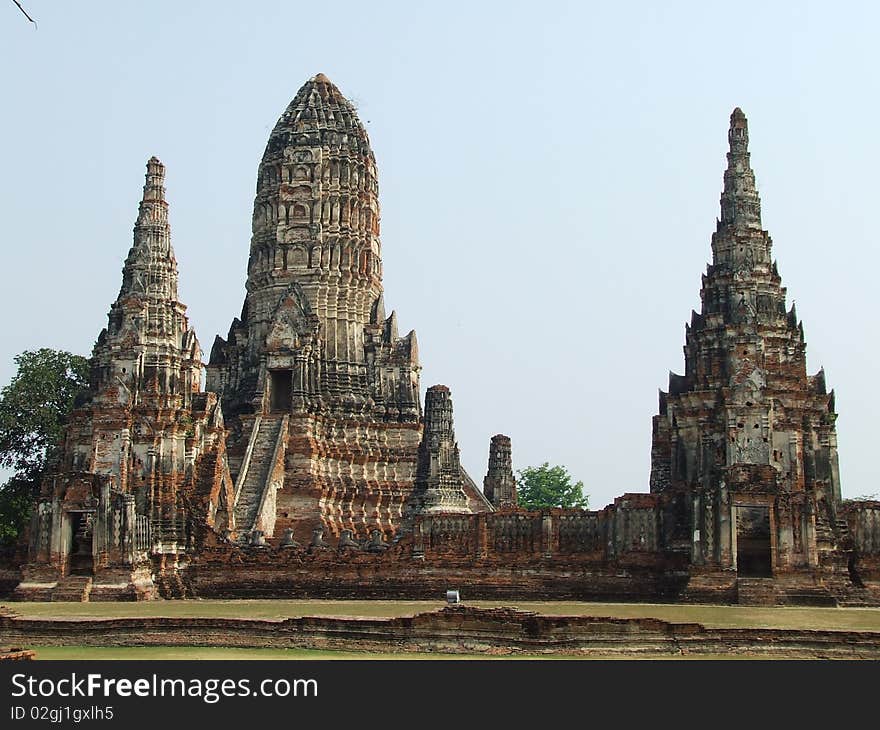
832, 530
847, 593
73, 588
843, 534
251, 484
755, 592
844, 584
711, 587
824, 532
170, 585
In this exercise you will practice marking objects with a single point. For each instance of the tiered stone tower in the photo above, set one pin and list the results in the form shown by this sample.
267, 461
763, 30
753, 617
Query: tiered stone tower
439, 485
144, 457
744, 446
321, 391
499, 485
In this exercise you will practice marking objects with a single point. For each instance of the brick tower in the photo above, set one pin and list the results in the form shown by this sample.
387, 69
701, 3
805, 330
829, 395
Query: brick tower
744, 446
320, 389
143, 458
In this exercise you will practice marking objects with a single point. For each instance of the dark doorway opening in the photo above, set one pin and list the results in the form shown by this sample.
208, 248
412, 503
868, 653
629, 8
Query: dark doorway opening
279, 390
753, 559
81, 560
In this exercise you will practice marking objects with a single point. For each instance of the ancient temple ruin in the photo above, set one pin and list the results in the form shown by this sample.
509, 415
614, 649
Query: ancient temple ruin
319, 389
744, 451
439, 483
144, 457
499, 485
308, 467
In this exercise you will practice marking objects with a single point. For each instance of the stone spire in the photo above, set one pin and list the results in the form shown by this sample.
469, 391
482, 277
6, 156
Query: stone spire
740, 204
741, 250
148, 345
499, 486
439, 486
745, 399
145, 451
150, 268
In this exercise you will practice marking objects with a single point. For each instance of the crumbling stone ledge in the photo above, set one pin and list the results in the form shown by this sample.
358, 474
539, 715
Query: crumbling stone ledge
15, 654
458, 629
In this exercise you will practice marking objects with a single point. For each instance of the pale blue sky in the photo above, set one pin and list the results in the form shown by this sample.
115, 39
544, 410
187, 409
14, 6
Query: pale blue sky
549, 177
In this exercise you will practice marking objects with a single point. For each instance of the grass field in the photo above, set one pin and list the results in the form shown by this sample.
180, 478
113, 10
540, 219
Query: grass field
850, 619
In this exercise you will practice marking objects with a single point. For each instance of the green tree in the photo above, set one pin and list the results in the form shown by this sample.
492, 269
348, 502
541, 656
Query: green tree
33, 410
545, 486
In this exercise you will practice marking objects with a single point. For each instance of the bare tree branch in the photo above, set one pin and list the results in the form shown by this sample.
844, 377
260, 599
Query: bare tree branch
24, 12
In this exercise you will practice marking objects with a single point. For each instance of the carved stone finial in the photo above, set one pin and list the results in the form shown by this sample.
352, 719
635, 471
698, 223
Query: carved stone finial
740, 204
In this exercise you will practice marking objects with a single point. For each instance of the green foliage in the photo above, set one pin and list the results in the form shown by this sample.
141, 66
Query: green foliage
16, 496
539, 487
33, 410
35, 404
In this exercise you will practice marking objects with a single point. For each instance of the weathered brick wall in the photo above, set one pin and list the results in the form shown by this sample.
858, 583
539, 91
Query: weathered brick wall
630, 525
549, 554
863, 519
455, 629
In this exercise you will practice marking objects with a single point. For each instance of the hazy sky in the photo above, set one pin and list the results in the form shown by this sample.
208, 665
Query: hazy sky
549, 178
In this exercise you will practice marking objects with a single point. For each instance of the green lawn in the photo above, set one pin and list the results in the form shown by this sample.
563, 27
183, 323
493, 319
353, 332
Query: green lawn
853, 619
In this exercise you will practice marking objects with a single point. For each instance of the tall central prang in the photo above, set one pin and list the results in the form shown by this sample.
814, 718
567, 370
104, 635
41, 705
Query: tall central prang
744, 445
320, 390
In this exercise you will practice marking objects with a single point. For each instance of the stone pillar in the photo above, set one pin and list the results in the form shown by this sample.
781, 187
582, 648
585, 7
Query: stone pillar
774, 539
57, 546
709, 536
129, 529
726, 523
102, 525
418, 539
784, 535
124, 458
547, 535
696, 546
810, 549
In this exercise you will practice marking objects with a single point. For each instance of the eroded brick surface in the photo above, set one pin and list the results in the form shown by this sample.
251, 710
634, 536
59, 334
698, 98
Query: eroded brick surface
460, 629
